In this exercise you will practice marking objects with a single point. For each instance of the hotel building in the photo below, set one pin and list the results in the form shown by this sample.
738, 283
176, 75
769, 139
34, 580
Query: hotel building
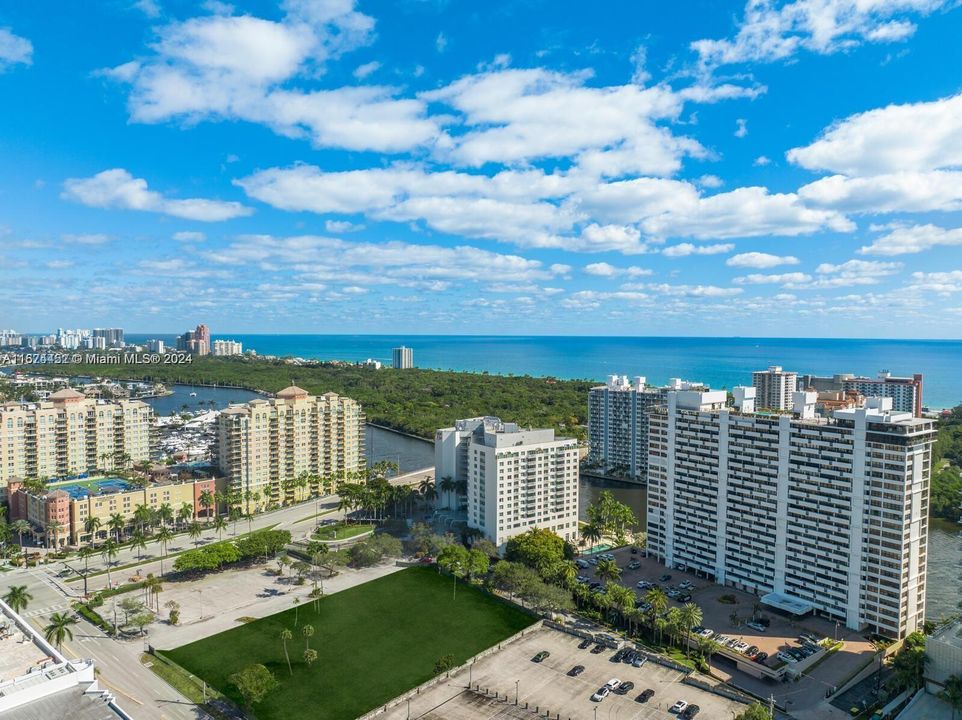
812, 514
774, 388
68, 505
264, 444
516, 479
69, 434
618, 424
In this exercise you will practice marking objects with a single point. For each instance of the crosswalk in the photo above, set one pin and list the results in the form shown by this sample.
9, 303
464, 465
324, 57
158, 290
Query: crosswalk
48, 610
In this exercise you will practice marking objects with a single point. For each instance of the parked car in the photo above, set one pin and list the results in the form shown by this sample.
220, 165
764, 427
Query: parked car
752, 651
617, 657
645, 696
584, 644
597, 649
601, 693
642, 605
541, 656
785, 657
633, 565
705, 632
761, 657
690, 712
64, 573
643, 584
576, 670
625, 688
683, 597
756, 626
673, 594
664, 578
741, 646
678, 707
582, 563
639, 661
685, 585
613, 683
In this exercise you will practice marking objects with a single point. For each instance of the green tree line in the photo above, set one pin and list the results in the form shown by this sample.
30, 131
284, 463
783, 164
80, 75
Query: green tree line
415, 401
946, 495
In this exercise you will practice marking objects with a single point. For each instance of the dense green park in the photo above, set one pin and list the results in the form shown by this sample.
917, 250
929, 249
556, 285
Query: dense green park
415, 401
373, 642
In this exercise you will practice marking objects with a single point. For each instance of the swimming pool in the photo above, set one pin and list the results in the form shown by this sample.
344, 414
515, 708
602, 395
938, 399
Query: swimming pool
80, 490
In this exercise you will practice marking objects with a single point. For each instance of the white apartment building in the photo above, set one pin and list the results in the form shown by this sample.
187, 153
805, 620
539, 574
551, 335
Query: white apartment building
906, 392
226, 348
774, 387
618, 424
812, 514
516, 479
402, 358
70, 434
264, 443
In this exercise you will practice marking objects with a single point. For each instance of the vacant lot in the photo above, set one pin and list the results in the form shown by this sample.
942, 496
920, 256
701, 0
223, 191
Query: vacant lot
373, 641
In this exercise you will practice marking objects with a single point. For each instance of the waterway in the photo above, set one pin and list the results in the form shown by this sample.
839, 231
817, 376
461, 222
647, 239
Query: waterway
945, 546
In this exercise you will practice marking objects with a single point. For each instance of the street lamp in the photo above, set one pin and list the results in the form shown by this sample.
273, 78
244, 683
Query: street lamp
516, 691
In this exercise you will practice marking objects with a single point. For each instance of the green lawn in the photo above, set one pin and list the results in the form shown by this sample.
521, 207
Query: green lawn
374, 642
342, 531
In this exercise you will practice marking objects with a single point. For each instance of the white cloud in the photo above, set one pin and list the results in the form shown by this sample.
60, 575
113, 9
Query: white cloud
760, 260
86, 239
362, 71
712, 291
847, 274
441, 42
741, 127
117, 188
603, 269
188, 236
937, 190
639, 61
710, 181
339, 227
59, 264
761, 161
793, 278
771, 32
943, 283
150, 8
520, 115
893, 139
14, 50
914, 239
686, 249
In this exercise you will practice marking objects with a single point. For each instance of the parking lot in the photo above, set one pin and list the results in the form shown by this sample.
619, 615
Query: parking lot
729, 618
546, 687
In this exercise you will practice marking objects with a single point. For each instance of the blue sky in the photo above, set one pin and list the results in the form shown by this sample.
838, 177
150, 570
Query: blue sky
525, 167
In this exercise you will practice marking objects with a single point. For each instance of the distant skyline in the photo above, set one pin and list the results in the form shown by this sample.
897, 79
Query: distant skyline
692, 169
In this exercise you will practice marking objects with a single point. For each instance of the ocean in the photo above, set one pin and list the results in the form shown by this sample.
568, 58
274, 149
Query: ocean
718, 362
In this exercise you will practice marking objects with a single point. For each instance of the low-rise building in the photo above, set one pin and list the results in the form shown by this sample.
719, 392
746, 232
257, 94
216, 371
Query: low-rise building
59, 514
515, 479
227, 348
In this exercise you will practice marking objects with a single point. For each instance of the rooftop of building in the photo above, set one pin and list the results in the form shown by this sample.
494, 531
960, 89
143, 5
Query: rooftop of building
950, 634
73, 703
67, 394
291, 393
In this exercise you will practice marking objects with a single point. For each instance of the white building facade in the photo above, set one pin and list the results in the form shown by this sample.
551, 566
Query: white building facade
402, 358
827, 515
516, 479
774, 387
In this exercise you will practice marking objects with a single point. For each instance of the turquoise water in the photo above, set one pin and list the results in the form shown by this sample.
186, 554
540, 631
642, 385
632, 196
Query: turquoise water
719, 362
82, 490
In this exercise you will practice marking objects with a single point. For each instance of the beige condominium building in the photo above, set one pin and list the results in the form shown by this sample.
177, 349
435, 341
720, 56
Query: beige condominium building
71, 434
812, 514
264, 445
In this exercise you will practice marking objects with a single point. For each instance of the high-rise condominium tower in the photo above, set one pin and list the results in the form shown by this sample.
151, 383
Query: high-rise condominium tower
774, 387
402, 358
264, 445
828, 515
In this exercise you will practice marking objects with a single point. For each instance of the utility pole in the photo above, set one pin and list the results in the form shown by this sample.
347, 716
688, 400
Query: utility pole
771, 706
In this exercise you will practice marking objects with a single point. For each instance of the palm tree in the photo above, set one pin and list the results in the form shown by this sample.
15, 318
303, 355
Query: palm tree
92, 526
952, 694
165, 513
307, 631
18, 598
194, 531
153, 588
20, 527
447, 487
54, 529
142, 515
206, 502
658, 601
673, 618
607, 571
310, 656
185, 512
85, 553
108, 551
164, 536
58, 629
690, 615
249, 516
220, 524
104, 457
707, 647
139, 541
620, 599
117, 523
285, 636
591, 533
234, 514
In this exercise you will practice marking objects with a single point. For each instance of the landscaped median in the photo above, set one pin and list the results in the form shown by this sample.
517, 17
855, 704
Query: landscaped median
372, 642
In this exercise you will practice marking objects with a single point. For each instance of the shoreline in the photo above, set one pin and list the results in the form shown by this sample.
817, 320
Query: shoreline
403, 433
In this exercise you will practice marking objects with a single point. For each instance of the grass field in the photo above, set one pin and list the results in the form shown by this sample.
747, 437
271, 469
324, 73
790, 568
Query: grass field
374, 641
341, 531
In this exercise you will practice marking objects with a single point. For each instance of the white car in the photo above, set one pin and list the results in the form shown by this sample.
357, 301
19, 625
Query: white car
685, 585
740, 647
600, 694
613, 684
706, 633
785, 657
678, 707
755, 626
